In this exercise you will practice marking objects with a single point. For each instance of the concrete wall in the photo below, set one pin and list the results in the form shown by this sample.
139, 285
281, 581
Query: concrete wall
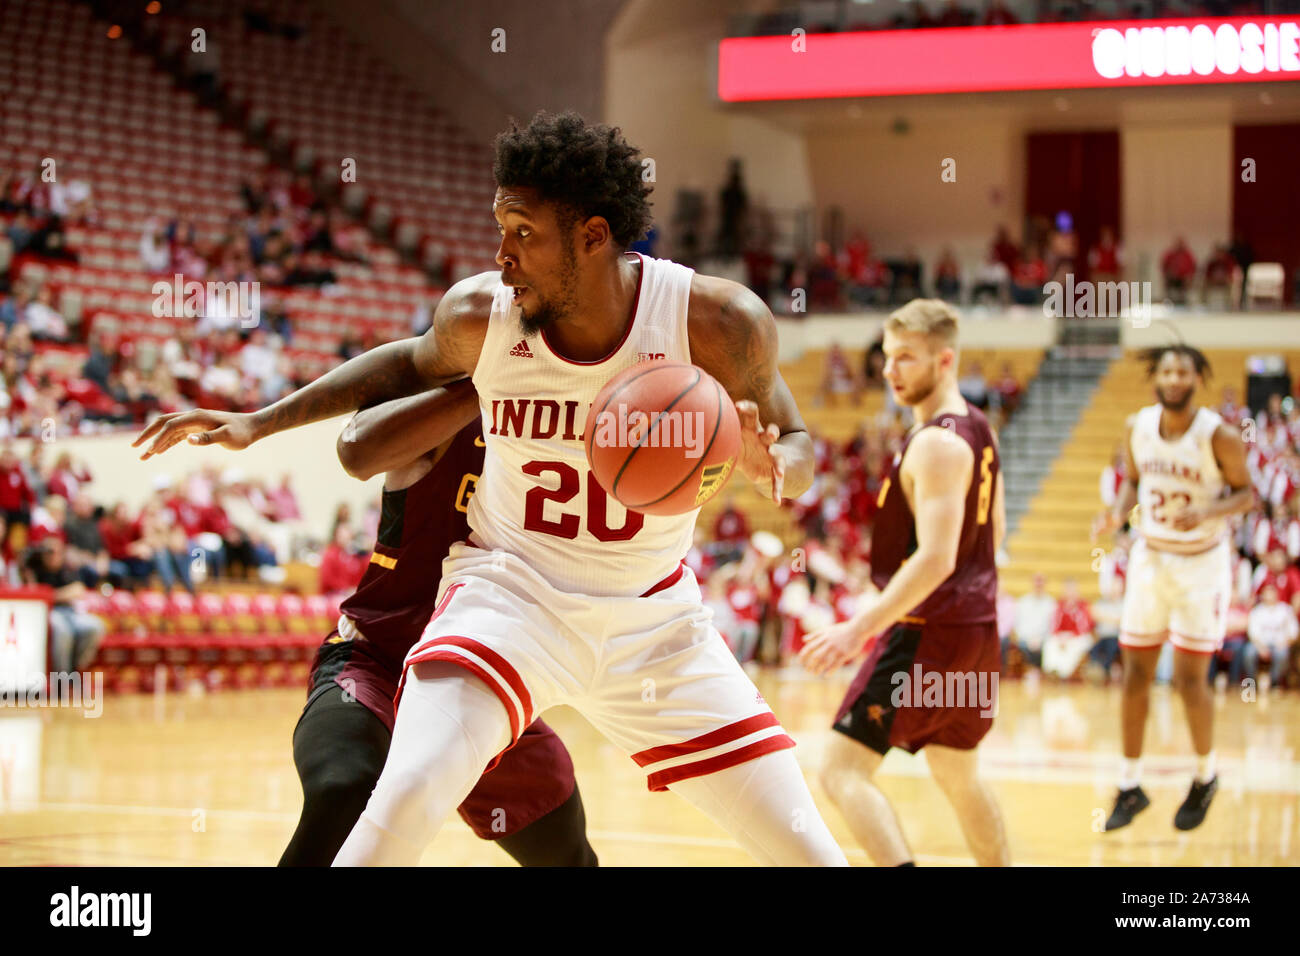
1263, 331
1177, 181
661, 88
890, 184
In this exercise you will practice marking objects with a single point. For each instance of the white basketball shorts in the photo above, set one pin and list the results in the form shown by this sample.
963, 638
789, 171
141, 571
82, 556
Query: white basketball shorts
651, 673
1181, 596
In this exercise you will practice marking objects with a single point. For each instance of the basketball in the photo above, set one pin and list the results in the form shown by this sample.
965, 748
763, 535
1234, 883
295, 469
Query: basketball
662, 437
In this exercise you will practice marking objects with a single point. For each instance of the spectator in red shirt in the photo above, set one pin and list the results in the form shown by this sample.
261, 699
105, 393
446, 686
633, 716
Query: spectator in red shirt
1219, 271
16, 496
1105, 260
1232, 412
283, 501
838, 379
1071, 634
67, 479
730, 530
48, 519
1027, 279
340, 568
1004, 250
947, 276
1179, 268
1277, 573
1008, 390
130, 560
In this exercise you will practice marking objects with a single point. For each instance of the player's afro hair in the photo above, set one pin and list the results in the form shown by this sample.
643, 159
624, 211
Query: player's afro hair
588, 170
1151, 358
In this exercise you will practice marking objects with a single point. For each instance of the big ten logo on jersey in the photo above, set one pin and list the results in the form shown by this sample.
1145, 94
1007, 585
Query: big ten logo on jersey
651, 345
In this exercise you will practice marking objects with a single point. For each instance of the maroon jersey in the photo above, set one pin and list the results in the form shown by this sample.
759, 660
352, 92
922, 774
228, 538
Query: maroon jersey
969, 595
417, 526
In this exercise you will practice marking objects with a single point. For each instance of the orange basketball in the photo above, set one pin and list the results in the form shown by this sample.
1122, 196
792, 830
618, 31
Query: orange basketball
662, 437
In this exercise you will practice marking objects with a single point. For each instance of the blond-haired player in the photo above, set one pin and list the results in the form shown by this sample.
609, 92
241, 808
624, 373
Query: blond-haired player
930, 680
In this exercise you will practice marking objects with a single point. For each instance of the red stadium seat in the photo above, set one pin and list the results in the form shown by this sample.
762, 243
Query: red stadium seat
212, 611
152, 607
183, 613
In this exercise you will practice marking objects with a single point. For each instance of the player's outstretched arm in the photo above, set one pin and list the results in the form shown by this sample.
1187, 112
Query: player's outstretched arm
397, 433
733, 338
940, 466
446, 352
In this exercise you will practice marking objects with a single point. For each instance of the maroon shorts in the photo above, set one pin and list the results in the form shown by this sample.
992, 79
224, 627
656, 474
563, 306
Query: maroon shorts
532, 778
925, 684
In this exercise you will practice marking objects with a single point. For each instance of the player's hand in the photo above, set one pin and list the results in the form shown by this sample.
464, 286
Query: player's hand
233, 430
1188, 519
1104, 524
832, 648
761, 459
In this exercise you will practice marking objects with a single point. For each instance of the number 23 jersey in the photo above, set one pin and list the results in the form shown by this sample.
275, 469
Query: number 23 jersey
1176, 475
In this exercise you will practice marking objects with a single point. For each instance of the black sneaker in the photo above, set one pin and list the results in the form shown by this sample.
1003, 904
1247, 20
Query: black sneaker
1193, 810
1128, 804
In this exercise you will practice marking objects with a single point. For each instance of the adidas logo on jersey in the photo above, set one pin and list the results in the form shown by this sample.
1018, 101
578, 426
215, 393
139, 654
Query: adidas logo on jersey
521, 350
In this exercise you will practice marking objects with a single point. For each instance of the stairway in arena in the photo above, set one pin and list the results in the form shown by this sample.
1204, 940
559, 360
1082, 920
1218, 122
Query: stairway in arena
1053, 453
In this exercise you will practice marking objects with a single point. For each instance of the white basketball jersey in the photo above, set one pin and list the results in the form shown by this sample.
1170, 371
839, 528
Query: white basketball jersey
1174, 475
537, 497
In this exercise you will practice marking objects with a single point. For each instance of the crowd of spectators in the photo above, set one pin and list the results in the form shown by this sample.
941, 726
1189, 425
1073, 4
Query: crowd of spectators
1221, 273
998, 396
285, 237
212, 525
855, 276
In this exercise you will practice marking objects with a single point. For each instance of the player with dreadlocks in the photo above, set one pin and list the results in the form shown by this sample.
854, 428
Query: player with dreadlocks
1186, 471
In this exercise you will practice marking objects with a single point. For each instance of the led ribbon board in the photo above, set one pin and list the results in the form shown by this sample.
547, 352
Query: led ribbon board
1121, 53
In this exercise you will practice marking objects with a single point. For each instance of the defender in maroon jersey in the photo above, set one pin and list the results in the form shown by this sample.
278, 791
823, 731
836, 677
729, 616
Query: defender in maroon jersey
930, 678
529, 802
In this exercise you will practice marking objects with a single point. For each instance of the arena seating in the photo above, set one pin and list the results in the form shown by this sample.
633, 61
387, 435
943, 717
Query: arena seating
229, 635
417, 173
149, 151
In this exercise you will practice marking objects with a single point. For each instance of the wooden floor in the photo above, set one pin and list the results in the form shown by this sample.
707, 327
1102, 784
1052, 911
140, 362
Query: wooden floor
204, 780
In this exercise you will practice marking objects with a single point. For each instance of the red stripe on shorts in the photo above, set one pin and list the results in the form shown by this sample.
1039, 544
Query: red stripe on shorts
714, 738
498, 663
661, 779
452, 656
668, 581
446, 599
1193, 650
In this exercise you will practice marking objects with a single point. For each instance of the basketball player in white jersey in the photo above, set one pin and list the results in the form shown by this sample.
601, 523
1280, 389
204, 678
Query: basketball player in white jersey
560, 595
1180, 459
